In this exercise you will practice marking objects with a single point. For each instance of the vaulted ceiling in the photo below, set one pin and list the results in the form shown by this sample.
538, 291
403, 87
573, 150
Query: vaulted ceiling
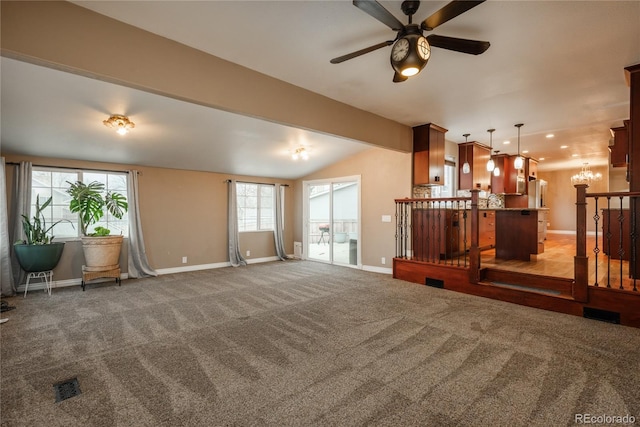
557, 67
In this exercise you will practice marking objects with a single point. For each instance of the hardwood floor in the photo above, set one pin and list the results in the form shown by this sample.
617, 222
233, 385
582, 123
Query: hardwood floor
557, 261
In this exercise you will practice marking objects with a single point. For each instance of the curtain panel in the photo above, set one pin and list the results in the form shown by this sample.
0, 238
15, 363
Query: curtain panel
235, 257
21, 206
138, 264
7, 287
278, 229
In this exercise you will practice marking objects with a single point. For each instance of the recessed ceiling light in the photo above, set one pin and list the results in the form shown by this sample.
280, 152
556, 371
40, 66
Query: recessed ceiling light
574, 155
564, 146
541, 158
507, 142
550, 135
525, 151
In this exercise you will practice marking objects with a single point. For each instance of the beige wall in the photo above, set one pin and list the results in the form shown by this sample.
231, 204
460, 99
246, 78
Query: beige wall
385, 176
183, 213
562, 197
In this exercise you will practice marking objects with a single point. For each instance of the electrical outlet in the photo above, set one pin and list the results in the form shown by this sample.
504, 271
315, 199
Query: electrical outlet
248, 253
184, 259
383, 260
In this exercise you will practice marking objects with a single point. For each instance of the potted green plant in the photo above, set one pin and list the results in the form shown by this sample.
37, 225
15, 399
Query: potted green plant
37, 252
91, 202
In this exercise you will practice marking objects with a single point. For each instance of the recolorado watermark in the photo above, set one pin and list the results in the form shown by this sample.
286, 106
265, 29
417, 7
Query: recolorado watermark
604, 419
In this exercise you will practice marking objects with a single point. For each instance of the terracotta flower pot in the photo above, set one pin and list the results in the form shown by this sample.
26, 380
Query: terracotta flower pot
101, 253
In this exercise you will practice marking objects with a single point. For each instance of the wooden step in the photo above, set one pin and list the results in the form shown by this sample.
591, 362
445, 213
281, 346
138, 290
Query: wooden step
548, 285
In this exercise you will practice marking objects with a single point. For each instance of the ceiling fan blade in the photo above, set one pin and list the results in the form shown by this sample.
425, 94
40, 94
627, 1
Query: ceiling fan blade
473, 47
450, 11
376, 10
398, 78
352, 55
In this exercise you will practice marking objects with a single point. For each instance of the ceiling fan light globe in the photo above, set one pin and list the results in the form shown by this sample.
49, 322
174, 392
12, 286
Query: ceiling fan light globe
410, 71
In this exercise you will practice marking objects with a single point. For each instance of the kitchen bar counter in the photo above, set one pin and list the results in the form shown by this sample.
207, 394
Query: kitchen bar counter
520, 233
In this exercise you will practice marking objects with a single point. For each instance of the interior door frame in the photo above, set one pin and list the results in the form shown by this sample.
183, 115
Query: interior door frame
305, 216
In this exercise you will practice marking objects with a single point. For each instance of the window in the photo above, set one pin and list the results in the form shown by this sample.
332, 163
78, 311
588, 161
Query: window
255, 206
48, 182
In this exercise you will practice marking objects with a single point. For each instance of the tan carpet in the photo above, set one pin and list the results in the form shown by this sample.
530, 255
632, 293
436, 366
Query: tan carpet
303, 344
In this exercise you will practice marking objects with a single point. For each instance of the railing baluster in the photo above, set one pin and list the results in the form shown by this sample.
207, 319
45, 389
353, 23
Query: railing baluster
620, 246
609, 242
596, 250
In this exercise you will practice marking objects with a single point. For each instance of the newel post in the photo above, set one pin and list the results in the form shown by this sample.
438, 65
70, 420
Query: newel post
581, 261
474, 250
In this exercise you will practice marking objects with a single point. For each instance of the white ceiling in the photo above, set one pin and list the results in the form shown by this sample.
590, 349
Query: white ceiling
556, 66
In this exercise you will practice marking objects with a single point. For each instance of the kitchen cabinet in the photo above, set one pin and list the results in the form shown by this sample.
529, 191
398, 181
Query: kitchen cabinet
620, 149
519, 234
487, 229
477, 155
620, 239
507, 182
531, 168
428, 154
439, 234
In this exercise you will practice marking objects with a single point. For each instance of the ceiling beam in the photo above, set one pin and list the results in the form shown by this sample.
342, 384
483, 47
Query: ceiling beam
70, 38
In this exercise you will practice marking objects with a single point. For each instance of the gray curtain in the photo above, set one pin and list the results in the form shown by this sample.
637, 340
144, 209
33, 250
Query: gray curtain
21, 206
278, 229
235, 257
138, 262
7, 288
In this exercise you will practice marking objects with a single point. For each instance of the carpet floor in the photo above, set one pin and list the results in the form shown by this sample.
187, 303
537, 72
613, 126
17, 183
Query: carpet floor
299, 343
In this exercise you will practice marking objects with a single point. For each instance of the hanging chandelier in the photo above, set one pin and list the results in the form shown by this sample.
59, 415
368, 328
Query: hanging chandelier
585, 176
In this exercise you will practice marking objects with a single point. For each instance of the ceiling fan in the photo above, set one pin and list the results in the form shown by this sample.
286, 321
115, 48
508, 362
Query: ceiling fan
411, 50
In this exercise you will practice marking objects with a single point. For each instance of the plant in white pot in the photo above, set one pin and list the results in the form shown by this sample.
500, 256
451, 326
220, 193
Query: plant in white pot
92, 202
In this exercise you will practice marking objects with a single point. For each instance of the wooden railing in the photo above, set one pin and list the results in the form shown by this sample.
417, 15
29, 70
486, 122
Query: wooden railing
445, 231
615, 250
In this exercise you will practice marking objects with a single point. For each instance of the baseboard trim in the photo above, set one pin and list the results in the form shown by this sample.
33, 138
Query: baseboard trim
374, 269
63, 283
198, 267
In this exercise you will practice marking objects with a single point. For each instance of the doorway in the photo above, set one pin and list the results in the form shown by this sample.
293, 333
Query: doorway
332, 221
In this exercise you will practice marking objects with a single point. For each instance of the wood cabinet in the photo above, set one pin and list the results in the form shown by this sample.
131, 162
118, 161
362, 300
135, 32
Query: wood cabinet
620, 148
477, 155
428, 154
531, 168
439, 233
619, 240
487, 229
519, 234
511, 180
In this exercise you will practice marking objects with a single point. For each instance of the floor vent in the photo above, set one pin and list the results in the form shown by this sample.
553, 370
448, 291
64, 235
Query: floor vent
434, 283
603, 315
66, 389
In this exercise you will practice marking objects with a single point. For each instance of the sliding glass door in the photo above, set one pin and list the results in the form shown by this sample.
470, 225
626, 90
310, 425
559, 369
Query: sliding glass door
332, 220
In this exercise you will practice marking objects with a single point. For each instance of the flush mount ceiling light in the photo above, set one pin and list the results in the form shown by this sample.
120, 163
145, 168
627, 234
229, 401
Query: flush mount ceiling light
490, 164
519, 161
300, 152
121, 124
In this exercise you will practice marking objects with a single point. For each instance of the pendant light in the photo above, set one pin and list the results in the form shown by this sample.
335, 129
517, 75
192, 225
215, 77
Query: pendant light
491, 164
496, 170
465, 167
519, 161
